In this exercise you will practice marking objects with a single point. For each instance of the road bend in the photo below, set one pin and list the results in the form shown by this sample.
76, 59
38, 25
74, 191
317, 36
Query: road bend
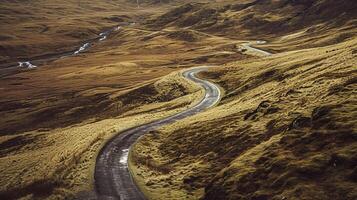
112, 177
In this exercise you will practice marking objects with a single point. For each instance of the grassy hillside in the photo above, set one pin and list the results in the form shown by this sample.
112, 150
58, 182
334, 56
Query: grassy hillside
312, 21
285, 128
91, 85
59, 163
41, 28
33, 28
58, 115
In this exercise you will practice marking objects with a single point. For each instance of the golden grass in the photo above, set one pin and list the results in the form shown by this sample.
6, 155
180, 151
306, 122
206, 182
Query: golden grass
68, 87
33, 28
61, 161
59, 115
273, 117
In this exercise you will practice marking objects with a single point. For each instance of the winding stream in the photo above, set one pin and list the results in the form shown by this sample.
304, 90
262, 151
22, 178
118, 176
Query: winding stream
84, 47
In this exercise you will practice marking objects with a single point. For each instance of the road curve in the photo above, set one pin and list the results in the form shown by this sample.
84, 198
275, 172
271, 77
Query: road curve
112, 177
256, 50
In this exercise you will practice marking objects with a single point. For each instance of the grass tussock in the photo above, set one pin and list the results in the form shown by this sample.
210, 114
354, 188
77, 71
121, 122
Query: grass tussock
286, 129
59, 163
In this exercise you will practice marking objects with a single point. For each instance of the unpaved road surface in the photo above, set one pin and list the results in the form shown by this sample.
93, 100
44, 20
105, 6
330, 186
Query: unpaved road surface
112, 177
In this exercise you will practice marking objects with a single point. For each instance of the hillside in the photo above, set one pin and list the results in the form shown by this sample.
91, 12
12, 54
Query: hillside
75, 88
59, 115
285, 127
41, 29
312, 21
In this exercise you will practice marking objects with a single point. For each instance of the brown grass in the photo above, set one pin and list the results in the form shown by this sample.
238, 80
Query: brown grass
92, 84
285, 129
59, 115
41, 28
59, 163
322, 22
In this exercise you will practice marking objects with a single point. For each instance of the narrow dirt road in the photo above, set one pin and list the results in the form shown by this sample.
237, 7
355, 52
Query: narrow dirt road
112, 177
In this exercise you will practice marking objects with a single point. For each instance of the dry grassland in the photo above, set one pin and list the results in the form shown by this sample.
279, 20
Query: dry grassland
59, 163
286, 128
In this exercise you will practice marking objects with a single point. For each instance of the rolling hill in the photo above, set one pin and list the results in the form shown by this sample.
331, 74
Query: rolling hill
285, 127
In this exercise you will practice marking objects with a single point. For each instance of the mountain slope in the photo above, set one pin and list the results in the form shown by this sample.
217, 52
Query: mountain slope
286, 127
268, 19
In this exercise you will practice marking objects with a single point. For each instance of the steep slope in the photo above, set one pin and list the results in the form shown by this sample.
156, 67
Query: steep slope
286, 129
308, 149
267, 19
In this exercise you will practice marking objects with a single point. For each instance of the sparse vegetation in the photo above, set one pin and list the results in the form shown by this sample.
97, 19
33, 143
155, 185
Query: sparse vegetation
284, 129
57, 163
276, 134
264, 140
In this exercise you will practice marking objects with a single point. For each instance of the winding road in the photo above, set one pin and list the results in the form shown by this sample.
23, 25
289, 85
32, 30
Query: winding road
112, 177
260, 52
